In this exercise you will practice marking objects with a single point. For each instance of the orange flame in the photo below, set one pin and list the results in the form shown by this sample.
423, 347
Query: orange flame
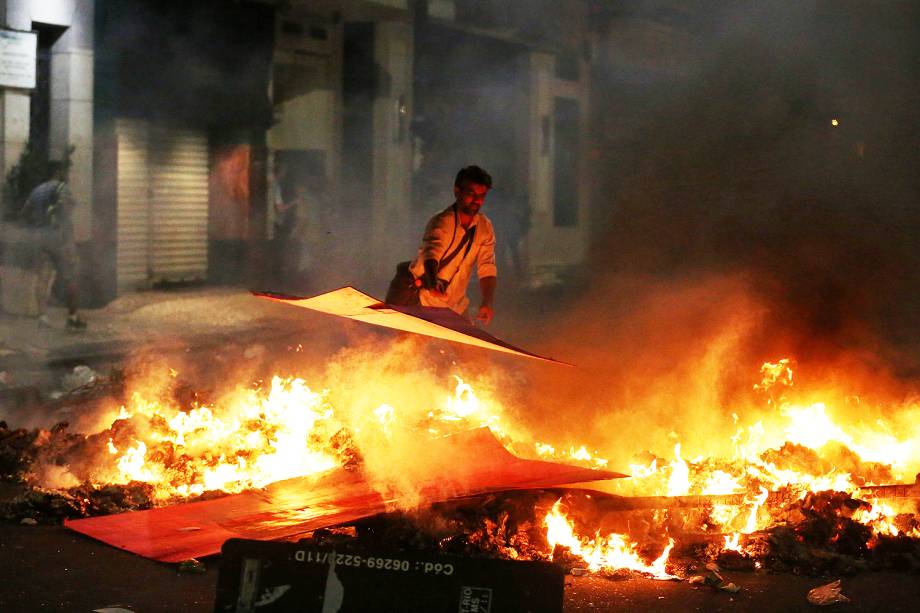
613, 552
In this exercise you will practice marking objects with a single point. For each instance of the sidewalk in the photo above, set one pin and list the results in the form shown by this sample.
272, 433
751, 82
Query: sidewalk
30, 349
34, 357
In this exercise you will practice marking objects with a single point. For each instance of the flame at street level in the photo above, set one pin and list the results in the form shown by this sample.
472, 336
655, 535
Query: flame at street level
257, 439
879, 517
256, 436
679, 481
733, 542
613, 552
796, 449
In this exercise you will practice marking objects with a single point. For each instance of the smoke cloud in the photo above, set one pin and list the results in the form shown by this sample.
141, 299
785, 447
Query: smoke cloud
738, 224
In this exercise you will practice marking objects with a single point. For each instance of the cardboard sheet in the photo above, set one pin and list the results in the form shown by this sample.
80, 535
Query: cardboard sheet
428, 321
288, 508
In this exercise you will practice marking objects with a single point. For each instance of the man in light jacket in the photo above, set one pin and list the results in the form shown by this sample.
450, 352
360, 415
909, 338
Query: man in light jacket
456, 240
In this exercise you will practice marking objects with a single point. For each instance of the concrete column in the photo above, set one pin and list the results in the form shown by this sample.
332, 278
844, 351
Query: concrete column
72, 109
540, 179
392, 238
14, 103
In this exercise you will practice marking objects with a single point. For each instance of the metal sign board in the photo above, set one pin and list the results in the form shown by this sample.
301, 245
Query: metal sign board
257, 576
428, 321
17, 59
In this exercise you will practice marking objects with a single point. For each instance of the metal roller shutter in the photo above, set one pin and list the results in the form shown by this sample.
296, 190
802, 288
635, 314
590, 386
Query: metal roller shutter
179, 230
133, 266
162, 204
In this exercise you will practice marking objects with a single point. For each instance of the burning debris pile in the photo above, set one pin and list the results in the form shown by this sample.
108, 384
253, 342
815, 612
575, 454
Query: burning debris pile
800, 494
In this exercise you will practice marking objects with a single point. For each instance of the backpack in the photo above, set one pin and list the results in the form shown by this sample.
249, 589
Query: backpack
43, 212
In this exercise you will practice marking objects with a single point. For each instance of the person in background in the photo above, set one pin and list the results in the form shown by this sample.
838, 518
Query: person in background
49, 211
282, 211
299, 244
284, 206
456, 240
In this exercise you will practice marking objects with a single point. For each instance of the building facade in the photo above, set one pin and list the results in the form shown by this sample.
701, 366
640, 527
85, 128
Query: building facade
178, 113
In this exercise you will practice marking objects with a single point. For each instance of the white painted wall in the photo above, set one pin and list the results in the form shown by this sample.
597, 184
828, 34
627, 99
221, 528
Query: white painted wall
14, 103
305, 122
53, 12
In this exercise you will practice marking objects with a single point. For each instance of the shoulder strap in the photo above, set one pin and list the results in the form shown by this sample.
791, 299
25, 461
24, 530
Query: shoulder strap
466, 241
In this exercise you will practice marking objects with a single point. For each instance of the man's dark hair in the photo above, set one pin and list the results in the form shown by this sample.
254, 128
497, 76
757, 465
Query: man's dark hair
473, 174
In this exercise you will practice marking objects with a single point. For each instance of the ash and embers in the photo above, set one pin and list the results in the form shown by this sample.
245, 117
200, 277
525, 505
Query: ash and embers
800, 493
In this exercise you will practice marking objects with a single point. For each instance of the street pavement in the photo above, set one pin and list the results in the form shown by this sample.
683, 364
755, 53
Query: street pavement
37, 355
48, 568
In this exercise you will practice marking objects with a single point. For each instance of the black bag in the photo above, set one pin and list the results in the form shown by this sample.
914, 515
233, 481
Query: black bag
403, 291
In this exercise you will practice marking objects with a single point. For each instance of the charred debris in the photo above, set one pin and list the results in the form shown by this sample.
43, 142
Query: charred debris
811, 535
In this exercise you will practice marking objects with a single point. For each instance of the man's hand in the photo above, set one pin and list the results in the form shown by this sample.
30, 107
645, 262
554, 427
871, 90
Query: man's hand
487, 289
486, 312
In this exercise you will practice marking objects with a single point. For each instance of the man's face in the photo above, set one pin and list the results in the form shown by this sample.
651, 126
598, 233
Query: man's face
470, 197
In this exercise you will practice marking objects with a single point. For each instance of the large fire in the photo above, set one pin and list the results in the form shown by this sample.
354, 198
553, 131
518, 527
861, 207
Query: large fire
260, 434
258, 437
614, 551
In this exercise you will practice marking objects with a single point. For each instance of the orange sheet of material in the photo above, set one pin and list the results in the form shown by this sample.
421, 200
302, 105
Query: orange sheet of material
478, 464
427, 321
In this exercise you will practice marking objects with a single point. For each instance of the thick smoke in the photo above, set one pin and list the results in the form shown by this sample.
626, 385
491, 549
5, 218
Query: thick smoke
740, 225
741, 170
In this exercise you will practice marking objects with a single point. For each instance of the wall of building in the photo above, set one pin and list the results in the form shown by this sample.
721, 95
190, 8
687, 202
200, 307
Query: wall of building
14, 103
552, 246
306, 72
392, 148
307, 85
67, 121
71, 95
195, 76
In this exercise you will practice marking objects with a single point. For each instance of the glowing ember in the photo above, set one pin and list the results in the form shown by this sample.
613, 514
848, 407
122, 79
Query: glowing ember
613, 552
794, 450
778, 373
880, 518
720, 482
